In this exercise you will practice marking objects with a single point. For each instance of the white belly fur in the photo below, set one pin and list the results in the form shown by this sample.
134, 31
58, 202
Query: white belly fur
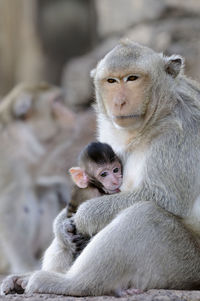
134, 170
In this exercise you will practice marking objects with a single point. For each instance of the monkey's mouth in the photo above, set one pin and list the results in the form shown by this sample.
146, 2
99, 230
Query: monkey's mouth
127, 116
117, 190
127, 121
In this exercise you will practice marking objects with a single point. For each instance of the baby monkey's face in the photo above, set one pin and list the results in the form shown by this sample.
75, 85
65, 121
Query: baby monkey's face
110, 176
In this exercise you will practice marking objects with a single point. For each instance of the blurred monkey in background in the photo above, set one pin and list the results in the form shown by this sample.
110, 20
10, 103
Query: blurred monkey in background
29, 200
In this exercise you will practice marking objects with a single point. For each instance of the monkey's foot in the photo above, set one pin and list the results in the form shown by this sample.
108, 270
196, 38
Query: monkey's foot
45, 282
14, 284
35, 283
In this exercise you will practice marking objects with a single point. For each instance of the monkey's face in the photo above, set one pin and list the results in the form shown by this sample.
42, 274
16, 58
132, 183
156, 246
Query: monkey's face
125, 97
110, 176
127, 80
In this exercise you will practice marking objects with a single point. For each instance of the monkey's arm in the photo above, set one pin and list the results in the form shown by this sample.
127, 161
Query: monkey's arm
95, 214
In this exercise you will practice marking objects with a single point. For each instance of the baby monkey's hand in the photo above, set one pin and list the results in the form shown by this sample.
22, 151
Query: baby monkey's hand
80, 242
70, 226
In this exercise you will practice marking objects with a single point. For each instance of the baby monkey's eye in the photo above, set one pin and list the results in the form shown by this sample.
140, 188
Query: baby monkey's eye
111, 80
104, 174
132, 78
115, 170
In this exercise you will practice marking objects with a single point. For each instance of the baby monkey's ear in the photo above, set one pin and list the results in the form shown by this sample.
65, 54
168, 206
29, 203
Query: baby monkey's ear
79, 177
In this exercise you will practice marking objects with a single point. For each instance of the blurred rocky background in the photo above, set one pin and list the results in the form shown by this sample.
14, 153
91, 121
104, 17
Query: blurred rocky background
44, 126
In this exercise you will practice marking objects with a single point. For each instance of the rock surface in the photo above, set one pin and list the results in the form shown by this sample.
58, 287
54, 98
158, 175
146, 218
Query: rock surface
111, 14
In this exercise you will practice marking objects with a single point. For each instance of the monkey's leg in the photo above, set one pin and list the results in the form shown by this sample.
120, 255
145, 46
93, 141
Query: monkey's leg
58, 257
144, 247
60, 254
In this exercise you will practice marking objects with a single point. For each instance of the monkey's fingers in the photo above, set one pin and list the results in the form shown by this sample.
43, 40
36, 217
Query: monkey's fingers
69, 228
81, 244
9, 285
81, 247
70, 225
18, 289
22, 282
77, 238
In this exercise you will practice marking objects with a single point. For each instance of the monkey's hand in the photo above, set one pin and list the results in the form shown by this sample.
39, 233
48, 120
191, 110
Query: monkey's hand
80, 242
64, 228
69, 226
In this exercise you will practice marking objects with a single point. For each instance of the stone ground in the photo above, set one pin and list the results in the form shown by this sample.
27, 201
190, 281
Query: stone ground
151, 295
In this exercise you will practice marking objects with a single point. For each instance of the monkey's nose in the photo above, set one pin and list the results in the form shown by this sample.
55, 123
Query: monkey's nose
121, 103
115, 182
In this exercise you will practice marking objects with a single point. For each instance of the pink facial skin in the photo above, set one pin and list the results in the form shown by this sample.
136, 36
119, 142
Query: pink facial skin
110, 175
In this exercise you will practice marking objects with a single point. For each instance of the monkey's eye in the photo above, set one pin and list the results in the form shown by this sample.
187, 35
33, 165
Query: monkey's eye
104, 174
111, 80
115, 170
132, 78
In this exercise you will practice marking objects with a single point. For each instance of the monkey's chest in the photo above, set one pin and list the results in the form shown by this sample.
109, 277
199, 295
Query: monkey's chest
134, 171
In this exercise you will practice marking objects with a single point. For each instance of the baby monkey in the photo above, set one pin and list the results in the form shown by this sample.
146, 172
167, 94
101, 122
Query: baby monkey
99, 172
99, 167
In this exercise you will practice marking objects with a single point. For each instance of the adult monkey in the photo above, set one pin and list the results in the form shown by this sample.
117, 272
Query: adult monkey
148, 234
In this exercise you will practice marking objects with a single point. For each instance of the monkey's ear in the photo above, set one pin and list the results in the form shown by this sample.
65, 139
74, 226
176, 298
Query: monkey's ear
174, 64
79, 177
22, 105
93, 73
